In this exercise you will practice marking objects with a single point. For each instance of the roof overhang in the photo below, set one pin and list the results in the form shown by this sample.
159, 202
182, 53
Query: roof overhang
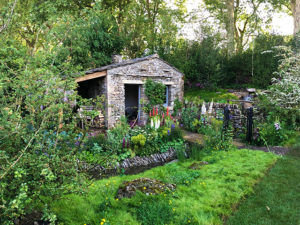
91, 76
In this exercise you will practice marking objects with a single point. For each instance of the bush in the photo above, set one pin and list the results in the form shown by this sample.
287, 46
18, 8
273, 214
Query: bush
39, 137
188, 117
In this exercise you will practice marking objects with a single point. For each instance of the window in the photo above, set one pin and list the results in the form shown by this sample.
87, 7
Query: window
167, 98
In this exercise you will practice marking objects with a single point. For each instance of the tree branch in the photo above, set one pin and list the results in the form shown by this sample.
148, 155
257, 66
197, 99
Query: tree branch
9, 18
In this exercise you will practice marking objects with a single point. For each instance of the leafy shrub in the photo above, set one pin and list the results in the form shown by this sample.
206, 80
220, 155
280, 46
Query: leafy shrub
188, 117
38, 136
99, 140
273, 133
138, 142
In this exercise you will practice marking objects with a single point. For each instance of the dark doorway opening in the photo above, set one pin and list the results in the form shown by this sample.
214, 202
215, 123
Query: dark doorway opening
131, 102
91, 88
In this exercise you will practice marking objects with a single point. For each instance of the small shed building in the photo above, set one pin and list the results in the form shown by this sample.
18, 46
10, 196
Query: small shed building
122, 84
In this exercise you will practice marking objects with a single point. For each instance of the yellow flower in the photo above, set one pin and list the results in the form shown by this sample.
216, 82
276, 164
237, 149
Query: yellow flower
144, 188
117, 199
101, 223
103, 220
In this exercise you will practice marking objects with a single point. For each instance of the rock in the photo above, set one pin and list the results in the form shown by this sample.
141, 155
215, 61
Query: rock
146, 185
198, 165
251, 90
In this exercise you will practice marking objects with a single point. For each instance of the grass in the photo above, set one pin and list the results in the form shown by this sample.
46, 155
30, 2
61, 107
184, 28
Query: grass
203, 196
219, 95
276, 199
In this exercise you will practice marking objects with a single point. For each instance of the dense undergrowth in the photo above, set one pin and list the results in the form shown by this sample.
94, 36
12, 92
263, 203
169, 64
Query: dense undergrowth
202, 196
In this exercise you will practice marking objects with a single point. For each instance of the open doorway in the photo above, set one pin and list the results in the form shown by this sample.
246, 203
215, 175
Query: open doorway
132, 96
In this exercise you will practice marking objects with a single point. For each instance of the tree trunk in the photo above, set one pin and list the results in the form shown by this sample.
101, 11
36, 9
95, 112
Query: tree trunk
295, 6
230, 26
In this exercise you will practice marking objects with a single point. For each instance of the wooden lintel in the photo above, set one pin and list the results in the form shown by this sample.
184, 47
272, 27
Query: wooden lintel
91, 76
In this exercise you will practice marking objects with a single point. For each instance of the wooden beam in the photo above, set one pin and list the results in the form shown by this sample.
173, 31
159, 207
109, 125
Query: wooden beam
91, 76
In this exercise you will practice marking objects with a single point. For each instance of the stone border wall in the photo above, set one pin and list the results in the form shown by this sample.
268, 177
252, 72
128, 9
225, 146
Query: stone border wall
131, 166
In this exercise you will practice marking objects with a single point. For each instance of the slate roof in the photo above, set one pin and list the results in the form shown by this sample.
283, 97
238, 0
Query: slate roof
129, 62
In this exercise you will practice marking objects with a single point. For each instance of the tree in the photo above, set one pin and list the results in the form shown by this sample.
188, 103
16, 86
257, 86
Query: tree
90, 40
148, 25
31, 20
240, 17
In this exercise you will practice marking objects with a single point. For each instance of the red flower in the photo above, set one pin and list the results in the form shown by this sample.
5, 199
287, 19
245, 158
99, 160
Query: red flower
150, 114
167, 111
156, 111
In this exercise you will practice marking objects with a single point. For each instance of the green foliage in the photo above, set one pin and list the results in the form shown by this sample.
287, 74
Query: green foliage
205, 64
39, 134
197, 96
154, 210
206, 199
155, 92
91, 39
138, 141
273, 132
178, 105
199, 61
185, 177
195, 152
188, 116
139, 20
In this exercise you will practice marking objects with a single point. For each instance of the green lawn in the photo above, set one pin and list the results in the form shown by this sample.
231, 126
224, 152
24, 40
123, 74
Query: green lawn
219, 95
276, 199
204, 196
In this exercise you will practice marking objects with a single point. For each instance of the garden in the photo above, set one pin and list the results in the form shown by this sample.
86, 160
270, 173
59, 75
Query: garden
208, 157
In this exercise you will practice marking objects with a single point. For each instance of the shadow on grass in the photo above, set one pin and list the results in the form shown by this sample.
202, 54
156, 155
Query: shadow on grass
276, 199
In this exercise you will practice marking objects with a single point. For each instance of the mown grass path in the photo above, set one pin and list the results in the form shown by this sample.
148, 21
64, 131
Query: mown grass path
276, 199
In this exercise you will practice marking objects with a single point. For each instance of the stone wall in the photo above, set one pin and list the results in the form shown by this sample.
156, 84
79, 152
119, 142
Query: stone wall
236, 116
138, 73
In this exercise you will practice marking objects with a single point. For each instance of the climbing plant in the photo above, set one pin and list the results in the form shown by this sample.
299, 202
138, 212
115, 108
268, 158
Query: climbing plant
155, 92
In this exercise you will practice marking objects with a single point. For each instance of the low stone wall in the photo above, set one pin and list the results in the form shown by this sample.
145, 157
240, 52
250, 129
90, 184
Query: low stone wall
131, 166
236, 115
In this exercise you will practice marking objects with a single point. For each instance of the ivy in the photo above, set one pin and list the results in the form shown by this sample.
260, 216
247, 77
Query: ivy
155, 92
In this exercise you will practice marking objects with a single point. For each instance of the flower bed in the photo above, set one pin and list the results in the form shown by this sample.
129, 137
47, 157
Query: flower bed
121, 143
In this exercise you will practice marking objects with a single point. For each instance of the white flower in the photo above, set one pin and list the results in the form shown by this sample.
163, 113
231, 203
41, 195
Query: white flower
203, 109
210, 110
151, 123
157, 123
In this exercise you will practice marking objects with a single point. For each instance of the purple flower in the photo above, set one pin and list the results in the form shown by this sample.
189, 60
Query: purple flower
124, 143
168, 132
277, 126
77, 143
172, 127
65, 99
181, 125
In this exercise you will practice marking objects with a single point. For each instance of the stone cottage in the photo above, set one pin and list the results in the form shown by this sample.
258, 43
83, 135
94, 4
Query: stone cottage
122, 83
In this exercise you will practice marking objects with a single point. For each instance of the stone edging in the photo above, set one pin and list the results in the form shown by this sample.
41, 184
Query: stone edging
131, 166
